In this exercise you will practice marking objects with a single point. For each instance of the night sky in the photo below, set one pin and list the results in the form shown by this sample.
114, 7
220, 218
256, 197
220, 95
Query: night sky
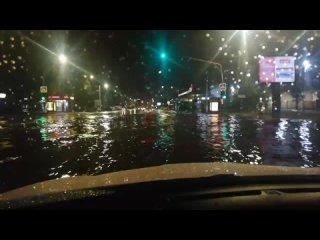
131, 59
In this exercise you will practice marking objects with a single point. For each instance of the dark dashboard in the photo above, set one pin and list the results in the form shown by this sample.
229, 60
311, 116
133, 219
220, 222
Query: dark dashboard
214, 193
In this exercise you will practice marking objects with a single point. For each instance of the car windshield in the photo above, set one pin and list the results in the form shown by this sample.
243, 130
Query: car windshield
84, 103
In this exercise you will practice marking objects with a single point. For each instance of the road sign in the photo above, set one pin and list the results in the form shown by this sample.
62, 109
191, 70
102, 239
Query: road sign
223, 86
43, 89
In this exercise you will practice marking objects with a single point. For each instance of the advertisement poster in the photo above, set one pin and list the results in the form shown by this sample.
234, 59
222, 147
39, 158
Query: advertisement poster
276, 69
267, 70
284, 69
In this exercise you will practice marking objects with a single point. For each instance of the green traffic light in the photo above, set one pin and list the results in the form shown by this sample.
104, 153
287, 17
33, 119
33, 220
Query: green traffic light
163, 55
43, 98
224, 97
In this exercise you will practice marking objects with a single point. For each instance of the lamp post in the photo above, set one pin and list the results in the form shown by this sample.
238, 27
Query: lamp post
214, 63
221, 73
106, 86
207, 79
63, 61
306, 65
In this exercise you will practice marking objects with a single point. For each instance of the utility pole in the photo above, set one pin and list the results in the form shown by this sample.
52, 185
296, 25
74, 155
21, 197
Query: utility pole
207, 79
100, 105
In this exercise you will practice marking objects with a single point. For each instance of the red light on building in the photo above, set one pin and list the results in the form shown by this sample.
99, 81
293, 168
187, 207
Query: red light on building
54, 97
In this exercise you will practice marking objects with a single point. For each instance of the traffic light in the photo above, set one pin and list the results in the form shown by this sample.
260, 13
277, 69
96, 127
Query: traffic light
163, 55
43, 97
223, 95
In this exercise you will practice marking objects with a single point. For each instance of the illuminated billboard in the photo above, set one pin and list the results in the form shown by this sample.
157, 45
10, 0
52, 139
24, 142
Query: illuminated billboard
276, 69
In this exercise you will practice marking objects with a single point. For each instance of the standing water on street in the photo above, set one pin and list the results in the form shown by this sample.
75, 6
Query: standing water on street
75, 144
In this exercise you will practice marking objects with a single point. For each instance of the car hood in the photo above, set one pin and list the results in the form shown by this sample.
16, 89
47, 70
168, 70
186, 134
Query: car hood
149, 174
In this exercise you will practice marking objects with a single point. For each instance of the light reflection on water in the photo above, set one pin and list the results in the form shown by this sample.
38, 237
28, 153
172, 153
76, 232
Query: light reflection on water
67, 145
306, 145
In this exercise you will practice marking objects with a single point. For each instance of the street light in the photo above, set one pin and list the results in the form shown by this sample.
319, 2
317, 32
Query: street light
106, 86
214, 63
306, 64
207, 79
63, 59
91, 76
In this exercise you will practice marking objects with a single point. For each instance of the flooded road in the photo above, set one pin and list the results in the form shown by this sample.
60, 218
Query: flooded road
34, 149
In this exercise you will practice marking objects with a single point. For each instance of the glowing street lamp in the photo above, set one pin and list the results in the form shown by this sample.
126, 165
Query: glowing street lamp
62, 59
91, 76
306, 64
106, 86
